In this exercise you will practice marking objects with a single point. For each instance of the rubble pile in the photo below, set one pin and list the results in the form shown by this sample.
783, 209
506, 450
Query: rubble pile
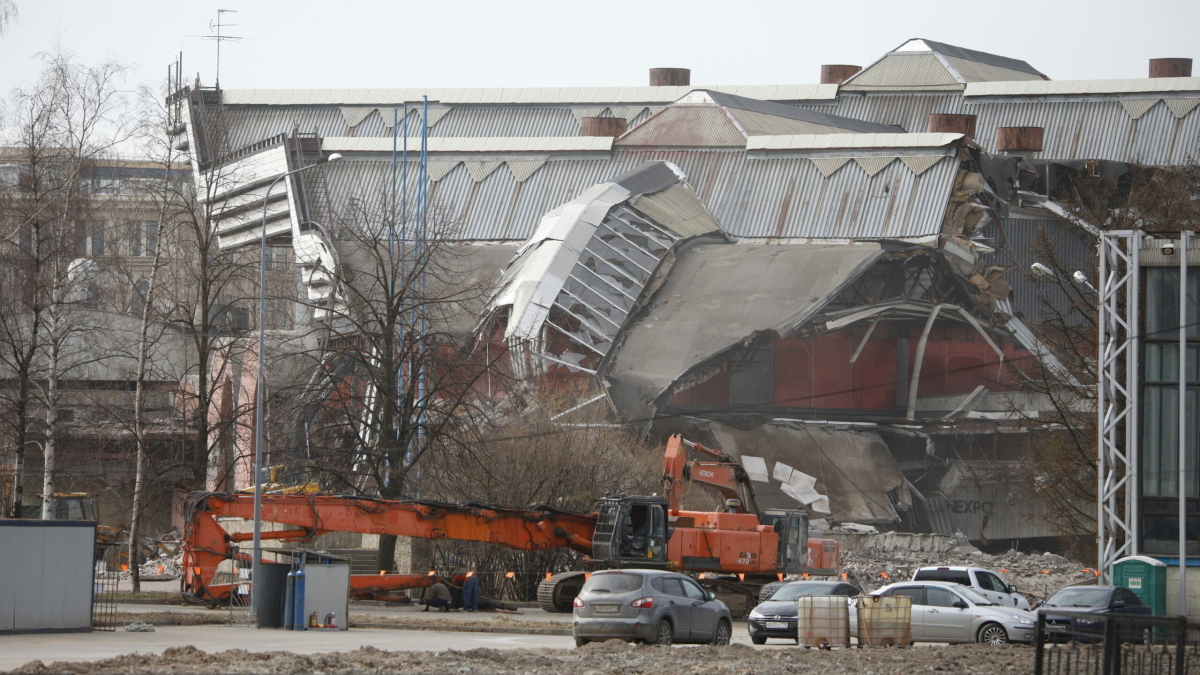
171, 568
1036, 575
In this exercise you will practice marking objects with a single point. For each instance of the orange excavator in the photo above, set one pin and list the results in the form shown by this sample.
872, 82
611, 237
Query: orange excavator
735, 550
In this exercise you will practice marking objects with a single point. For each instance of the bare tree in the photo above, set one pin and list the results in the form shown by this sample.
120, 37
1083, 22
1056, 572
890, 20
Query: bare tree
397, 372
1060, 463
204, 291
63, 124
8, 14
536, 448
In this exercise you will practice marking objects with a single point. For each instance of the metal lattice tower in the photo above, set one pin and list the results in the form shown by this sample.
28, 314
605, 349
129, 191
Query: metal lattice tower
1117, 397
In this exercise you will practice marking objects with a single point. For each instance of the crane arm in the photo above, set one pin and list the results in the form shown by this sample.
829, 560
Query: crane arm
207, 543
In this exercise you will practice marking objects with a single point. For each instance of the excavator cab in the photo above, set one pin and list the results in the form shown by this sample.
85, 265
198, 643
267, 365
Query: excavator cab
631, 532
792, 527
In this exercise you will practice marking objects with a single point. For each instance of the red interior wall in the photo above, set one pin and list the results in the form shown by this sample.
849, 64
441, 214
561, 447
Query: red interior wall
815, 372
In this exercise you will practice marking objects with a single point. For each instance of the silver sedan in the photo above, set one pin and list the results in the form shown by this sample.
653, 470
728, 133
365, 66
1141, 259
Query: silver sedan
946, 612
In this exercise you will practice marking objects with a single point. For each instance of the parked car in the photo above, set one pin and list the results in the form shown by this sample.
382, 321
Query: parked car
776, 617
650, 606
950, 612
984, 582
1097, 600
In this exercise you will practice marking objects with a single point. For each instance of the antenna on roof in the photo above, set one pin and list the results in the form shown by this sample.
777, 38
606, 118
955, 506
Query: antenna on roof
216, 26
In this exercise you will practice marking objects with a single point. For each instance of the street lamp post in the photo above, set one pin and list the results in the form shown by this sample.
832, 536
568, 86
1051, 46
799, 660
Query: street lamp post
256, 562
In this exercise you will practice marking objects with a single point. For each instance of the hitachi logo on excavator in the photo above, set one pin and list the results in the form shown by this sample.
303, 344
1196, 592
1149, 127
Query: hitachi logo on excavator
707, 474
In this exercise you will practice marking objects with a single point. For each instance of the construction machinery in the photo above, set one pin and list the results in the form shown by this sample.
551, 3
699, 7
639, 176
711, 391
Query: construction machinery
734, 551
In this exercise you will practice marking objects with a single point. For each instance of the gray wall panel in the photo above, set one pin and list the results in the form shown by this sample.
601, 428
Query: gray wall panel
46, 574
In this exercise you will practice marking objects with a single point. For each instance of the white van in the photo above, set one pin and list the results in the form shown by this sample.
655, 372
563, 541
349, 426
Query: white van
985, 582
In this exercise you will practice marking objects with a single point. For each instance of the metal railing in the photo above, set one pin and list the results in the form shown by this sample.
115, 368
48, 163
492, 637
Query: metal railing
105, 581
1081, 643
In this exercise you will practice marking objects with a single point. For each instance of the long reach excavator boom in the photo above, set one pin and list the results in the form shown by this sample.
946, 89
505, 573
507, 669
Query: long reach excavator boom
738, 548
207, 543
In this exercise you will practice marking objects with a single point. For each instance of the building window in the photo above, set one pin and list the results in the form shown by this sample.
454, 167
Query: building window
279, 257
143, 238
137, 301
1160, 410
279, 314
89, 238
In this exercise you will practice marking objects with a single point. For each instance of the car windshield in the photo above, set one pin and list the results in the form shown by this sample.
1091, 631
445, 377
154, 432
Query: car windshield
975, 598
613, 582
793, 591
1079, 597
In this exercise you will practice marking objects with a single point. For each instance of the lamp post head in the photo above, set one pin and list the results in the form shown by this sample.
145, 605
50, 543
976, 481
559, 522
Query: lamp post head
333, 157
1079, 277
1040, 270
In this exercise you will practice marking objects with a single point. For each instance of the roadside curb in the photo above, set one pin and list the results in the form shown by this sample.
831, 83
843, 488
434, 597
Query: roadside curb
451, 628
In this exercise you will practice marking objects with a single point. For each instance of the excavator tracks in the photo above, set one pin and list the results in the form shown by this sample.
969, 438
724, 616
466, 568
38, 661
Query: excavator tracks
557, 593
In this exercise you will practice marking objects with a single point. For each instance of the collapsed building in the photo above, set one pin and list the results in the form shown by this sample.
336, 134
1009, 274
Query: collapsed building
826, 281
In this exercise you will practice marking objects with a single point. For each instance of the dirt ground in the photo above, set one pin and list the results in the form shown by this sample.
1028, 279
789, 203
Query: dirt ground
605, 658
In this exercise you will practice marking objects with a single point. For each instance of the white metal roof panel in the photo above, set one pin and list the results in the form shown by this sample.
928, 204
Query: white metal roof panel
851, 141
473, 144
516, 95
1142, 85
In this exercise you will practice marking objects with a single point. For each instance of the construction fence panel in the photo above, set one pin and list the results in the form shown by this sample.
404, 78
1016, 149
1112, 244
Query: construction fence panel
46, 575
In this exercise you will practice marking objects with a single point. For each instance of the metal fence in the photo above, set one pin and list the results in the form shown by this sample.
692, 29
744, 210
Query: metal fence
1081, 643
104, 591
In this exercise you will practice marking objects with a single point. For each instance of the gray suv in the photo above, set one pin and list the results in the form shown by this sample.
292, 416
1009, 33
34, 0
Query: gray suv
649, 606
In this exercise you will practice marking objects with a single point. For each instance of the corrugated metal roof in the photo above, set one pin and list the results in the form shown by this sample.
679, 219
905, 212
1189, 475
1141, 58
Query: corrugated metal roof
908, 111
792, 199
516, 95
851, 141
686, 126
1093, 129
1079, 127
900, 71
982, 58
973, 71
1141, 85
1019, 243
473, 144
739, 105
772, 198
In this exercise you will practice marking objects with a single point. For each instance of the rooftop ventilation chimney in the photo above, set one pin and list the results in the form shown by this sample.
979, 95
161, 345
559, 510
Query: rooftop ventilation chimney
953, 124
837, 73
670, 77
1019, 139
604, 126
1170, 67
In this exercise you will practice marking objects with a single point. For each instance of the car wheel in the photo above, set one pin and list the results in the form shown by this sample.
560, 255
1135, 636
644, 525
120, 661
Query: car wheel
579, 642
722, 633
758, 639
993, 634
664, 635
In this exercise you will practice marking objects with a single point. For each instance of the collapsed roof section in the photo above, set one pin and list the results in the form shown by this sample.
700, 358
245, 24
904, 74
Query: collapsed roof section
925, 65
716, 297
573, 285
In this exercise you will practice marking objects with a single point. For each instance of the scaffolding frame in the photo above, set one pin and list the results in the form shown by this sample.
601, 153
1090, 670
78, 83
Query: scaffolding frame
1117, 397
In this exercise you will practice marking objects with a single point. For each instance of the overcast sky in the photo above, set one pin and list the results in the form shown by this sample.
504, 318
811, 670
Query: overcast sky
366, 43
